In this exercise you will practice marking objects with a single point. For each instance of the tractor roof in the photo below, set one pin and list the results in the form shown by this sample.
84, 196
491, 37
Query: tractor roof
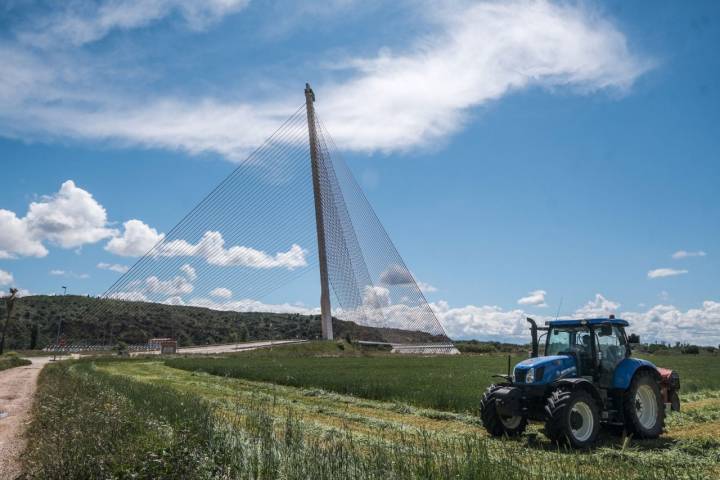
588, 321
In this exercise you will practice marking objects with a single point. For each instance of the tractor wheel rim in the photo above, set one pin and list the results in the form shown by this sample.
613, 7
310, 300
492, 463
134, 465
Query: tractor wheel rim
511, 423
582, 432
646, 406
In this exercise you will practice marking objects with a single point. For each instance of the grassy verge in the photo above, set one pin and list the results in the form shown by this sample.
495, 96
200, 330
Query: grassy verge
10, 360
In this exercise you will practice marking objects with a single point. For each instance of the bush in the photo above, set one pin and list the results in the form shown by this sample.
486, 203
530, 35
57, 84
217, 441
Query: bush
691, 349
11, 360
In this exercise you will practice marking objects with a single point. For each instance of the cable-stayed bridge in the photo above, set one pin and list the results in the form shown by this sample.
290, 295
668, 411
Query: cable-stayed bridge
289, 214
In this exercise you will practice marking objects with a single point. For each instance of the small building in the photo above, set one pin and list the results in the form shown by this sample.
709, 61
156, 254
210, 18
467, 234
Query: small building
167, 346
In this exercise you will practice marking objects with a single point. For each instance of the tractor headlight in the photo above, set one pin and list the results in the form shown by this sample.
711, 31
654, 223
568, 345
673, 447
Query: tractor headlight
530, 376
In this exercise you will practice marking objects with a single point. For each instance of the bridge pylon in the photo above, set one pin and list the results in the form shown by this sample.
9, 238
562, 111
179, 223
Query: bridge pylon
325, 308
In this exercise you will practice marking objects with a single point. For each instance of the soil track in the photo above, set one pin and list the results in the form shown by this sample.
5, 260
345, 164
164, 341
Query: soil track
17, 387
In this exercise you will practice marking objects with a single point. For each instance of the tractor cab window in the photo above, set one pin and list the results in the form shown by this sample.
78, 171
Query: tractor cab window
575, 341
611, 347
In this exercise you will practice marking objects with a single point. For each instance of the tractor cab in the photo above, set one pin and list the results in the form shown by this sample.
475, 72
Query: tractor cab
587, 376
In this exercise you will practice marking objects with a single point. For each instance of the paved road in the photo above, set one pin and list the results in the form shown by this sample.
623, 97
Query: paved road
17, 387
235, 347
226, 348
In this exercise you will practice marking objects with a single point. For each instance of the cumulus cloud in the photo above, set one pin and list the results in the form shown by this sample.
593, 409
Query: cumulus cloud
665, 272
69, 218
176, 286
211, 247
16, 239
6, 278
536, 298
658, 323
680, 254
398, 275
113, 267
221, 292
599, 307
189, 271
426, 287
395, 100
376, 297
82, 22
136, 240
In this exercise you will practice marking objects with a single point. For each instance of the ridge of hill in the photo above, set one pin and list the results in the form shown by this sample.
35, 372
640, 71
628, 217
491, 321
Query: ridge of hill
101, 321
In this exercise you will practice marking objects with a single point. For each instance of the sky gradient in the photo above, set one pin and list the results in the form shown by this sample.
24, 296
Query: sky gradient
526, 157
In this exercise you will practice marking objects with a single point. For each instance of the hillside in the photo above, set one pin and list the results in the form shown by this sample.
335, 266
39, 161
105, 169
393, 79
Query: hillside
35, 322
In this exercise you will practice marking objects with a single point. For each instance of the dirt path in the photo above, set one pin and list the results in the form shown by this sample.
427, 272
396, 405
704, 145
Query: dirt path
17, 387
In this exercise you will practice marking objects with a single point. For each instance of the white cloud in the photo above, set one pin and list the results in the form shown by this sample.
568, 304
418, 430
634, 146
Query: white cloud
426, 287
376, 297
658, 323
665, 272
536, 298
177, 286
211, 247
396, 275
481, 53
680, 254
82, 22
15, 238
114, 267
598, 308
136, 240
6, 278
399, 275
221, 292
393, 101
69, 274
189, 271
69, 218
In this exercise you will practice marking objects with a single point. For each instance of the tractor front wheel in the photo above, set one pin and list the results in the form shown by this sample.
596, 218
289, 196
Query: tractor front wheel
572, 418
494, 423
644, 408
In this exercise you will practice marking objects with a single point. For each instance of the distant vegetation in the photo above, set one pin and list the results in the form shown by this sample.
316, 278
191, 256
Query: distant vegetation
108, 322
11, 360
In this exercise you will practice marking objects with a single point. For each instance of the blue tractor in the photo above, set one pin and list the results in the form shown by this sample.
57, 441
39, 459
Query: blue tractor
586, 379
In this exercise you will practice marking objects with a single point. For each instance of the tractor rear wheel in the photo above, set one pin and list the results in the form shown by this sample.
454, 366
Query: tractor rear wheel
572, 418
644, 408
494, 423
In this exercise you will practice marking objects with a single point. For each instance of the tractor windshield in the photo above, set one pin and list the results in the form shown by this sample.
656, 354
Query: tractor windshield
576, 340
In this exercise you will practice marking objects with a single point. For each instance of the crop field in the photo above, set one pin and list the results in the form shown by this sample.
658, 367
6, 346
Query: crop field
147, 419
444, 382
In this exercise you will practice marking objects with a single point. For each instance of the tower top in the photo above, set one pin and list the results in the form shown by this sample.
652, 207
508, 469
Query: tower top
309, 94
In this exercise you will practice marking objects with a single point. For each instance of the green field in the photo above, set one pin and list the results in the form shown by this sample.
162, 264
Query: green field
445, 382
145, 419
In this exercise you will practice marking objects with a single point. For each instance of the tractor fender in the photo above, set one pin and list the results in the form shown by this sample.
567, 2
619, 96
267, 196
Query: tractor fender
583, 383
626, 370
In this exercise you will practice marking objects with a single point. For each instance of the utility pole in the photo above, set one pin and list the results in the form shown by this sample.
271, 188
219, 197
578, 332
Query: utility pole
325, 313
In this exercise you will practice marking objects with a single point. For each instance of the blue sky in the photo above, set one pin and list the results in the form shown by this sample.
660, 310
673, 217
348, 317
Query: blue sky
525, 157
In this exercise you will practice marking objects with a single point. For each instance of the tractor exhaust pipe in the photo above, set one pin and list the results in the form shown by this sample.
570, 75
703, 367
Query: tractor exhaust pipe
533, 335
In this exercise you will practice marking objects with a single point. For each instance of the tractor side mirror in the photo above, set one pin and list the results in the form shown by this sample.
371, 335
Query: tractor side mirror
634, 339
